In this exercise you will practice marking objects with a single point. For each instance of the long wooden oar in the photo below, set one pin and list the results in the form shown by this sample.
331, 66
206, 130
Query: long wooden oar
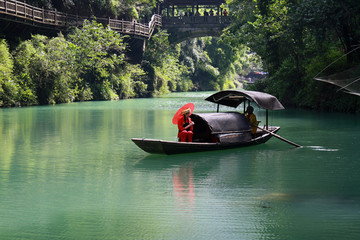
279, 137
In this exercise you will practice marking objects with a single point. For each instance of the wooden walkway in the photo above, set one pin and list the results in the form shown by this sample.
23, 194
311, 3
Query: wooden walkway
12, 10
195, 21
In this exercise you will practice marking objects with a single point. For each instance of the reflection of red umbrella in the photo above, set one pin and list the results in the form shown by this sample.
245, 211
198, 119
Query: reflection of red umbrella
178, 114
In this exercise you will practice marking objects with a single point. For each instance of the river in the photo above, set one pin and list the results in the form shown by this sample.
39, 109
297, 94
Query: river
70, 171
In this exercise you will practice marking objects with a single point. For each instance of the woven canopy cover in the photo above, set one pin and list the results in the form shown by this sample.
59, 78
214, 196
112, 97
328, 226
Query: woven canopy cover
220, 122
234, 98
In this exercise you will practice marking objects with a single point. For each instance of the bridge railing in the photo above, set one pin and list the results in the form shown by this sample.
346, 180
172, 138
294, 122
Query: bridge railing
156, 20
192, 21
22, 10
134, 27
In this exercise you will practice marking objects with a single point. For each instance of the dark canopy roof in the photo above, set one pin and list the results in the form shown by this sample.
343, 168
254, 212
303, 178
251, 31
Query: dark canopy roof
234, 98
210, 124
221, 122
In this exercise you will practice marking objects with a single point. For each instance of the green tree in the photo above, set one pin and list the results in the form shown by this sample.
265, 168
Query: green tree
215, 64
201, 70
161, 63
290, 36
8, 87
45, 69
130, 82
99, 58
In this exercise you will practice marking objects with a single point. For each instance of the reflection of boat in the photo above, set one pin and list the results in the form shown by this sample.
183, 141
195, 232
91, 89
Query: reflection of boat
217, 131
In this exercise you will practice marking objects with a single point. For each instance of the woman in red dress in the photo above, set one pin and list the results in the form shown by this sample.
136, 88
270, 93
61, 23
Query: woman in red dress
185, 126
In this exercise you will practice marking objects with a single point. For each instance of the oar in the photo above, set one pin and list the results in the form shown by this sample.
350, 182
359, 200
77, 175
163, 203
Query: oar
279, 137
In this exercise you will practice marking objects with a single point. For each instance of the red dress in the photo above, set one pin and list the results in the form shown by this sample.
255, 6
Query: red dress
185, 135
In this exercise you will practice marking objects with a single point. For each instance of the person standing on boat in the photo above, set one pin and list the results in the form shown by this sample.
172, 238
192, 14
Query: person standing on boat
185, 126
250, 116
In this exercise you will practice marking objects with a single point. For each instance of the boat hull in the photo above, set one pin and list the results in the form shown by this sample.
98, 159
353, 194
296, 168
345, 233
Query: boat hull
156, 146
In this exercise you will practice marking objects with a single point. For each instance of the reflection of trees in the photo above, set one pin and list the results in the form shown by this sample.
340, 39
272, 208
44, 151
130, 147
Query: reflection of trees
54, 140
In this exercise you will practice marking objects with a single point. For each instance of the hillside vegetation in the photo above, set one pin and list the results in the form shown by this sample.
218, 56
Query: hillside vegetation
291, 40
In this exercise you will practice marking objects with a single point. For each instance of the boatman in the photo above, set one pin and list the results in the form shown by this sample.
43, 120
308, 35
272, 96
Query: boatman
185, 126
250, 116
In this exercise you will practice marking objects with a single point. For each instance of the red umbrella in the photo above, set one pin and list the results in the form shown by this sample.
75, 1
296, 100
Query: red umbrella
179, 114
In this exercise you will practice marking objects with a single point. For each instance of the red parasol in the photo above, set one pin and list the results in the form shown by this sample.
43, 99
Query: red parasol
178, 114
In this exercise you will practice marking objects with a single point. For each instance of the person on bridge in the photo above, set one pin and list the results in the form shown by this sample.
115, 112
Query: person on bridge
185, 126
225, 12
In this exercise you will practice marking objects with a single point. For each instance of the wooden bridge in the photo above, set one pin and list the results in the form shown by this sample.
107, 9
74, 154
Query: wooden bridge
184, 27
13, 11
185, 19
20, 12
18, 19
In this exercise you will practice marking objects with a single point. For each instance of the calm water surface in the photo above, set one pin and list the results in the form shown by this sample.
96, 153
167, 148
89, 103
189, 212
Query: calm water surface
71, 172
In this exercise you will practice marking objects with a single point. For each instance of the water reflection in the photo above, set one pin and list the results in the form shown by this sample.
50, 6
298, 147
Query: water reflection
72, 172
183, 185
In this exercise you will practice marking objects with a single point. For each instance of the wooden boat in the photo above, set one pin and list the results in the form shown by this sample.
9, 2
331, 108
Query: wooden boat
220, 130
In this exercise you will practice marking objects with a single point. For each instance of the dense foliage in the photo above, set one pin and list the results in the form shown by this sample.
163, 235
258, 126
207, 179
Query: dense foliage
291, 40
122, 9
199, 64
88, 64
7, 85
296, 40
214, 64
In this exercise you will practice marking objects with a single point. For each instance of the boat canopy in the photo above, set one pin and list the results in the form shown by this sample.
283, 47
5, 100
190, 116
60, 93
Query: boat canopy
233, 98
208, 125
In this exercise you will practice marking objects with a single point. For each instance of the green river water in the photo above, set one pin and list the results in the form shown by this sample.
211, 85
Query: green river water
71, 172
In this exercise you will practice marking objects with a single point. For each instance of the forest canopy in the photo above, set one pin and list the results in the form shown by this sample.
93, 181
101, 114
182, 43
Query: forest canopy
297, 40
291, 41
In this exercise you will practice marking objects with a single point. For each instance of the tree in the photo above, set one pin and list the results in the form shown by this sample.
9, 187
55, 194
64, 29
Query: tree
289, 35
161, 63
88, 65
8, 87
45, 70
99, 56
